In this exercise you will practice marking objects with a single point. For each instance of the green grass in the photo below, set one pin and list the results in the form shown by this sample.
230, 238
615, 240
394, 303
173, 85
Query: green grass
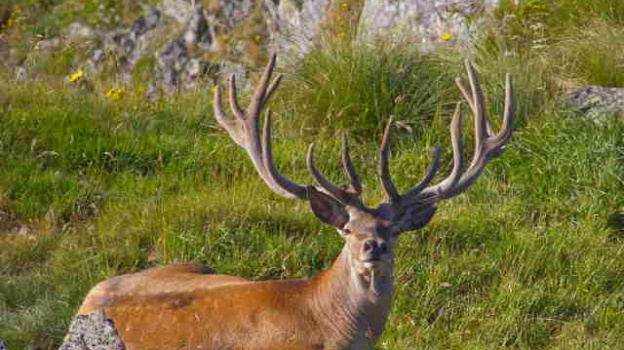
602, 67
352, 85
531, 257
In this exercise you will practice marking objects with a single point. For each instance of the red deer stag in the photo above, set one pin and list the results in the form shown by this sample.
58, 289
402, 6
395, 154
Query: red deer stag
345, 307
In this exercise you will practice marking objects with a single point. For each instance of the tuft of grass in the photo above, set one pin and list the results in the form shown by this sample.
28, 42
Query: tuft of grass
602, 67
356, 87
534, 22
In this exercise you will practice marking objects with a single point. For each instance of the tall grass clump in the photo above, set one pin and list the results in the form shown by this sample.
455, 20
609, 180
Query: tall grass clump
493, 59
576, 43
534, 22
589, 55
356, 86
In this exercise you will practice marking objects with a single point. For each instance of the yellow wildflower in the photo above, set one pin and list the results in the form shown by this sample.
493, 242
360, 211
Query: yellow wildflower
17, 8
258, 38
446, 36
10, 22
116, 93
212, 92
76, 76
346, 5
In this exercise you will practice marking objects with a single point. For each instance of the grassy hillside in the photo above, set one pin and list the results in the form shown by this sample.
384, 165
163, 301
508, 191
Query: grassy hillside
531, 257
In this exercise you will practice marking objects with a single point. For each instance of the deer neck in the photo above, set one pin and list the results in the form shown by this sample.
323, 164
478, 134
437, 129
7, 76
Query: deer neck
351, 307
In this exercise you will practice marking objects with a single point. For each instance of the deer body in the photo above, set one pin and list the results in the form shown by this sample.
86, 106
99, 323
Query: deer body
190, 308
186, 307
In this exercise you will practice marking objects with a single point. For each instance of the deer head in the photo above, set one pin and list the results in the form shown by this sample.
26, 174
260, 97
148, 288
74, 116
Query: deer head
370, 233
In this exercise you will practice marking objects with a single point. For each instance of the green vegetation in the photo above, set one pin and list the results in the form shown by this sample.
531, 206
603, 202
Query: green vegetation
531, 257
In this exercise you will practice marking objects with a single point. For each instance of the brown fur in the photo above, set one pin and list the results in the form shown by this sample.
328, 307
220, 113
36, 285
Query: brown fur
189, 307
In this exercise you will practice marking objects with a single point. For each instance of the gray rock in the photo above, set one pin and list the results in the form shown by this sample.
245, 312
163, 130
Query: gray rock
198, 30
171, 62
426, 21
77, 29
226, 69
180, 10
194, 69
21, 74
3, 345
236, 11
96, 57
233, 32
597, 102
92, 332
300, 22
146, 23
130, 44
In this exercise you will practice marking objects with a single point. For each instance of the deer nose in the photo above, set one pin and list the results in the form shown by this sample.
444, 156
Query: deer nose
374, 247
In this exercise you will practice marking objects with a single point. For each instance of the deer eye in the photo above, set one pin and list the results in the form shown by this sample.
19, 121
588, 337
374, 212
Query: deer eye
346, 231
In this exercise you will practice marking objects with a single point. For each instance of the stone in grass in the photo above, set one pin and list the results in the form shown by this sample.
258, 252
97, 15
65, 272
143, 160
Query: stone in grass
3, 345
597, 103
92, 332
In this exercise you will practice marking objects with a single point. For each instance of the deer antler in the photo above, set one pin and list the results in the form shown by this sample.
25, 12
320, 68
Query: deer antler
245, 131
487, 146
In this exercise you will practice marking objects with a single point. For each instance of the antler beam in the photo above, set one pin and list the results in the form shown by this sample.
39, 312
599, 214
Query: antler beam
245, 131
487, 147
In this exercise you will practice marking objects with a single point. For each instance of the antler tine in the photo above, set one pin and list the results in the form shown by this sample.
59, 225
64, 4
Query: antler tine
273, 87
477, 103
335, 191
347, 164
487, 146
245, 131
260, 95
458, 152
509, 114
234, 106
431, 172
277, 182
229, 125
458, 161
384, 172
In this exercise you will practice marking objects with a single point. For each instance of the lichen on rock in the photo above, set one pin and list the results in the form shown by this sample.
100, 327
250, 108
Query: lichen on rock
92, 332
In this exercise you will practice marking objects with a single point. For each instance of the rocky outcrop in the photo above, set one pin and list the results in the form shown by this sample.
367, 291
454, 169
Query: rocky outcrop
3, 345
597, 103
177, 44
426, 21
93, 332
299, 23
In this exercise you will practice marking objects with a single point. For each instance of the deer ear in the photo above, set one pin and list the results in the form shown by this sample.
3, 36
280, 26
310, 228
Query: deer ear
416, 217
327, 209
